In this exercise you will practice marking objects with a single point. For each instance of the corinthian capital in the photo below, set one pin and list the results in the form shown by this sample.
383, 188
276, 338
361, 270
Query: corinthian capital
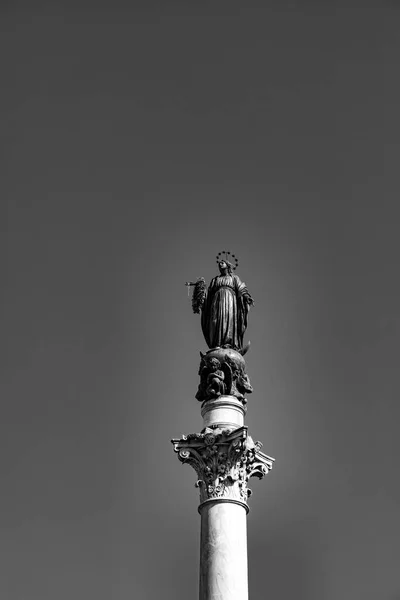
224, 460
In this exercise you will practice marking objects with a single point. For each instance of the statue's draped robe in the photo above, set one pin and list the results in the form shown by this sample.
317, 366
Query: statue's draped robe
224, 312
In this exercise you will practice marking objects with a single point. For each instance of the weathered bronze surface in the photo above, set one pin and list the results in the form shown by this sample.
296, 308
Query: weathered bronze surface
223, 372
224, 308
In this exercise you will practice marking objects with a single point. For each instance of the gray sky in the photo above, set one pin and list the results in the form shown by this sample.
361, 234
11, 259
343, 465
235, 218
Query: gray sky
138, 140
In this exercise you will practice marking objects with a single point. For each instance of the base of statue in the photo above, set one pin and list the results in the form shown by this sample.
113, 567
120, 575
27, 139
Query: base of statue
224, 412
223, 373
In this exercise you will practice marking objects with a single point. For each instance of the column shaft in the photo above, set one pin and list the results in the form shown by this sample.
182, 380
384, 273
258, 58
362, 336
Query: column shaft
223, 551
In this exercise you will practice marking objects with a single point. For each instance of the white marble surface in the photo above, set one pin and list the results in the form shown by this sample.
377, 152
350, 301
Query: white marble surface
223, 552
225, 411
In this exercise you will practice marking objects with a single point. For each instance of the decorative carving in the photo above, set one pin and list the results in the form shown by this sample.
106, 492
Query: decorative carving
224, 460
223, 371
224, 306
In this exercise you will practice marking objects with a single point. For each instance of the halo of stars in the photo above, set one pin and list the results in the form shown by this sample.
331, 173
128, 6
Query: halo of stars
226, 255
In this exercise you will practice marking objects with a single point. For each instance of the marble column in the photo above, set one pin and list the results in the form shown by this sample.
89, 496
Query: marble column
223, 550
224, 457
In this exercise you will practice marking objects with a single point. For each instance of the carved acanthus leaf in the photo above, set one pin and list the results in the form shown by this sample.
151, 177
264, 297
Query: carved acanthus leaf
224, 460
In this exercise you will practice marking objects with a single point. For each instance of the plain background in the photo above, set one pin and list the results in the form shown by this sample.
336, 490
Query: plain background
138, 140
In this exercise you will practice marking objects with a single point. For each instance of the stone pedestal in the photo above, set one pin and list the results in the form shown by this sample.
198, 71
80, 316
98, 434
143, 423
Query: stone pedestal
224, 457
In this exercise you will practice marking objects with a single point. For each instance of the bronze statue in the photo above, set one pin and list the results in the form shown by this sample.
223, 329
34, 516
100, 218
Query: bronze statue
224, 307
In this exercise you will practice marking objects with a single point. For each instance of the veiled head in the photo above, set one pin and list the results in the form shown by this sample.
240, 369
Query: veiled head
225, 267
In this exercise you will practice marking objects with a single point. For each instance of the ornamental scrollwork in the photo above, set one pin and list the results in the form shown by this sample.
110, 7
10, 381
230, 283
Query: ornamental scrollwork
224, 460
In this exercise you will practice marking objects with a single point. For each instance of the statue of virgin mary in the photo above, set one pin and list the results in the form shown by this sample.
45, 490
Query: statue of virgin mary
224, 308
